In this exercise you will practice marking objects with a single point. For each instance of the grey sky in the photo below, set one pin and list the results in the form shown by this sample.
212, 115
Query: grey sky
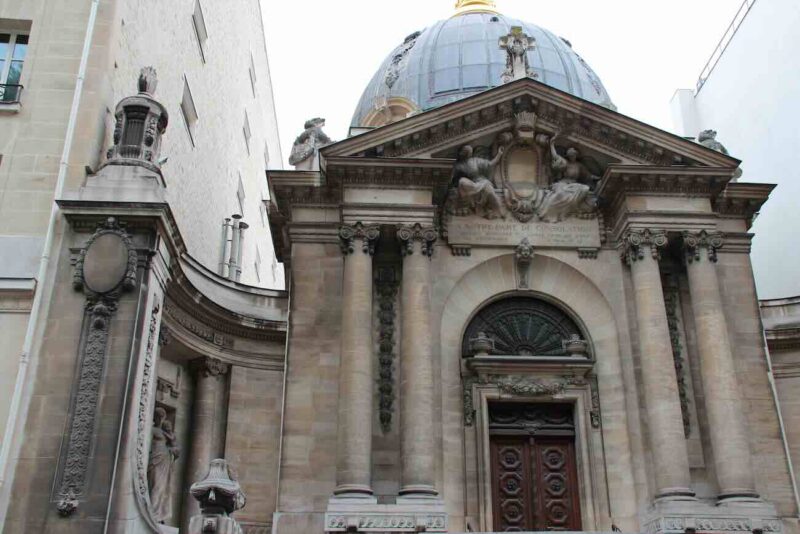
322, 53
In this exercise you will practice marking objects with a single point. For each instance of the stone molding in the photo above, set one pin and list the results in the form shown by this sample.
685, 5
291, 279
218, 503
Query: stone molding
683, 524
408, 235
386, 522
110, 226
694, 241
634, 241
368, 235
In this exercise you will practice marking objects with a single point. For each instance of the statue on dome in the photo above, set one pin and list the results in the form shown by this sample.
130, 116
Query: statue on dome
305, 150
473, 182
516, 44
569, 193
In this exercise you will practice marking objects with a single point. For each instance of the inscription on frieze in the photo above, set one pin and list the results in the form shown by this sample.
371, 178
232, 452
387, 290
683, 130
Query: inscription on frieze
571, 233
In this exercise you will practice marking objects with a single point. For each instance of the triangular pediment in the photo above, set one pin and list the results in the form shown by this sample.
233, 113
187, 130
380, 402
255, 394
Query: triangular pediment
611, 136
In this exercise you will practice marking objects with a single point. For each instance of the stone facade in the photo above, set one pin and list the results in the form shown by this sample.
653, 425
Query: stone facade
521, 311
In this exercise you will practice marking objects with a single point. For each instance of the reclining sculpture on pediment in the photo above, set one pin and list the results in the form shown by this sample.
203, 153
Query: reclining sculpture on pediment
474, 183
569, 193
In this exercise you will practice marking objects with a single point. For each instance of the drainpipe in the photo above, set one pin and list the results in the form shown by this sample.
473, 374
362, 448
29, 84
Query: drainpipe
44, 262
234, 252
225, 246
242, 227
785, 441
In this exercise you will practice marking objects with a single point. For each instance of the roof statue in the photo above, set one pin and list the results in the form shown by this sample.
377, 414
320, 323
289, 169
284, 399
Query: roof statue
306, 146
708, 138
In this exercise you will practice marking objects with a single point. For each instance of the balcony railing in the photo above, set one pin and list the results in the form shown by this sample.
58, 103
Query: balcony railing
10, 93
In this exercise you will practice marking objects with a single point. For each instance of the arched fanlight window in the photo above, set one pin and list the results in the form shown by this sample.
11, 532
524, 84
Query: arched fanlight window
523, 326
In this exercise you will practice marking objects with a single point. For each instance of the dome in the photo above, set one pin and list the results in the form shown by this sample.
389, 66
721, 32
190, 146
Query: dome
461, 56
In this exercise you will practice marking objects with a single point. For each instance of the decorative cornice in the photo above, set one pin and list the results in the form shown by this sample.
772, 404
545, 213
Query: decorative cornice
367, 234
633, 242
742, 200
694, 241
676, 180
408, 235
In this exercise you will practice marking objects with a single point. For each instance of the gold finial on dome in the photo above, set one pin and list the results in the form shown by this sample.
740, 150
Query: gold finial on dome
475, 6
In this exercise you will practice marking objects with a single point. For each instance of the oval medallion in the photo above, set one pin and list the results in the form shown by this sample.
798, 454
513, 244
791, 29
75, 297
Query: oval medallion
105, 263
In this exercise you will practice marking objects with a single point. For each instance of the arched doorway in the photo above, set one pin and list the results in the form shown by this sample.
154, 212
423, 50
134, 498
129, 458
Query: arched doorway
525, 346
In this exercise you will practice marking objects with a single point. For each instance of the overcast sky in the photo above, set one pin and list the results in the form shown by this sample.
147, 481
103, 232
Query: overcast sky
323, 53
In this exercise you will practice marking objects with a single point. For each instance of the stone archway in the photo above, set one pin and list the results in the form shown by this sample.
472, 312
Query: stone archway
560, 283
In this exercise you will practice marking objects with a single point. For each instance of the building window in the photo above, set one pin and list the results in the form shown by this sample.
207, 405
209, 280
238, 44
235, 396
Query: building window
246, 132
240, 195
13, 47
200, 31
266, 156
188, 110
263, 209
253, 78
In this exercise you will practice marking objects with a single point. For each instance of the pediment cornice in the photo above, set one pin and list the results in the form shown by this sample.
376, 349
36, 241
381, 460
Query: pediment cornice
622, 138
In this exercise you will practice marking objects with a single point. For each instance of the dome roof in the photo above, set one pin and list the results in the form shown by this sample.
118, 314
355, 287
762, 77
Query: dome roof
461, 56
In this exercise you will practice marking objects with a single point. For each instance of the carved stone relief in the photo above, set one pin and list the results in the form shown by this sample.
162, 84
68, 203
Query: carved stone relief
671, 302
106, 267
524, 257
368, 235
386, 286
633, 242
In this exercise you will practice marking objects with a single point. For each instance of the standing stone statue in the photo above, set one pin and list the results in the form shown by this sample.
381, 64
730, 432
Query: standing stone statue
472, 178
305, 150
516, 44
163, 453
567, 195
708, 138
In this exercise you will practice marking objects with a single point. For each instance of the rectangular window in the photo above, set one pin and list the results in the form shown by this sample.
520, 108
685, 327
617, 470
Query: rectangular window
240, 195
246, 132
266, 156
13, 48
200, 31
252, 75
188, 110
263, 209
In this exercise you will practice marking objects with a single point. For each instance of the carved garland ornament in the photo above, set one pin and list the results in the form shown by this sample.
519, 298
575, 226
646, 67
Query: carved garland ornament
102, 295
144, 420
671, 300
520, 385
386, 285
367, 234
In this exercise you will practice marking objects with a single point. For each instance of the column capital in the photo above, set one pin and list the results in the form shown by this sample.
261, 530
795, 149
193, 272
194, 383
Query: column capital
633, 242
208, 366
368, 235
695, 240
426, 235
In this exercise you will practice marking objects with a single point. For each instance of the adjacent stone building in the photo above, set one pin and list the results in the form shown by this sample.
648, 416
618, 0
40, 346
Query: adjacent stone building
509, 308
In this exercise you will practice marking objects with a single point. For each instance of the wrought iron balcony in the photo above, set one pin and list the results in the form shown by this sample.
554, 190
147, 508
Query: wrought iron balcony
10, 93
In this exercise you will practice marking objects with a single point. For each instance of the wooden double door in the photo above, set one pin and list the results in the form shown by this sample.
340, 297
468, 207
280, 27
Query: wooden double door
534, 476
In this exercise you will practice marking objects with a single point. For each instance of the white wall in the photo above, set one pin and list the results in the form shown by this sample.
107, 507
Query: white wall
752, 99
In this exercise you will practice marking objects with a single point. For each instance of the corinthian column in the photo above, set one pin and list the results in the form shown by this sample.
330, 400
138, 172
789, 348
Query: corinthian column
726, 416
665, 422
416, 363
208, 424
354, 449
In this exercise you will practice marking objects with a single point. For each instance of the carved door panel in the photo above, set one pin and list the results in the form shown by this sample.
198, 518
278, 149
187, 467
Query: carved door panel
533, 468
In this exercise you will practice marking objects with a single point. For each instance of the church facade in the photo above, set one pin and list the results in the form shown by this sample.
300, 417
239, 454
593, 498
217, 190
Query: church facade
509, 308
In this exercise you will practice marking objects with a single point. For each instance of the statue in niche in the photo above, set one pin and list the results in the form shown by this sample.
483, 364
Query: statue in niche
307, 145
163, 453
569, 193
516, 44
472, 179
708, 138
